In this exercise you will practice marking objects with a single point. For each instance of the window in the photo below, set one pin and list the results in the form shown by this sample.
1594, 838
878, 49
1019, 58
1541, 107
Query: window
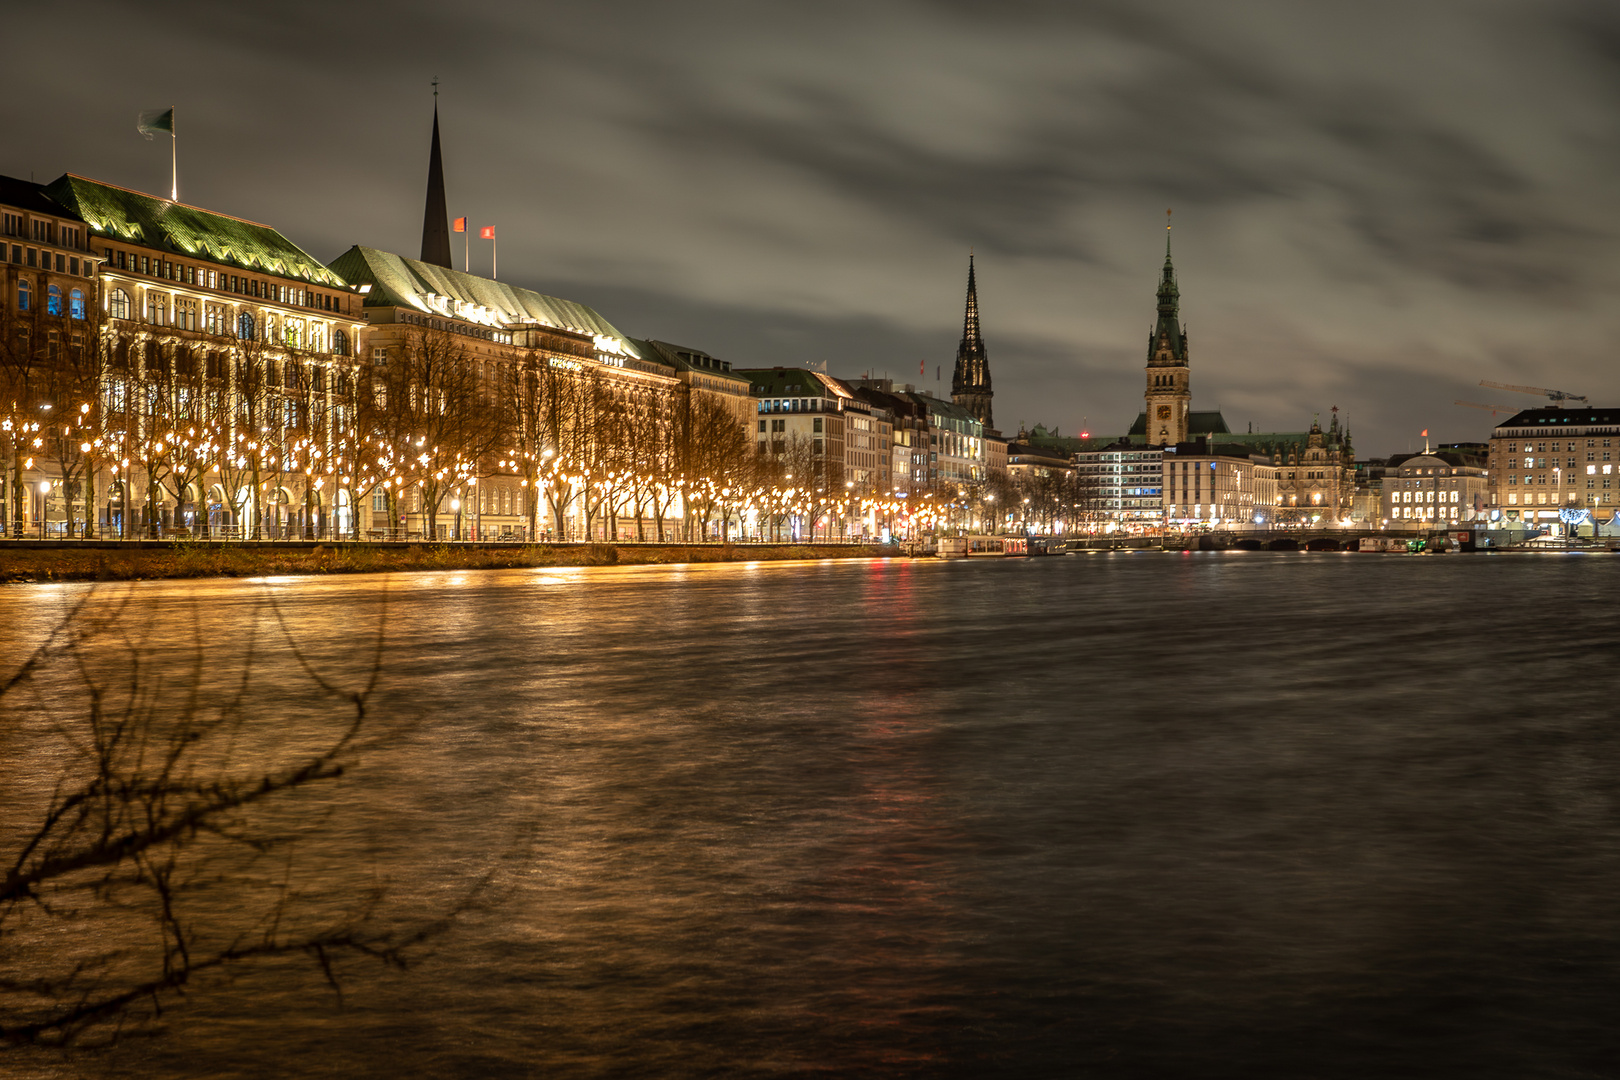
76, 303
244, 327
379, 502
22, 294
762, 426
156, 309
340, 343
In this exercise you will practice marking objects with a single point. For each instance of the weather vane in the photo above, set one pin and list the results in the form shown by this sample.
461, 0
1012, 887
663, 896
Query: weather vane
1167, 214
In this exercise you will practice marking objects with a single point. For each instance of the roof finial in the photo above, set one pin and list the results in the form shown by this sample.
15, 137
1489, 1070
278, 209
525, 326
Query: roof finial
1167, 213
435, 88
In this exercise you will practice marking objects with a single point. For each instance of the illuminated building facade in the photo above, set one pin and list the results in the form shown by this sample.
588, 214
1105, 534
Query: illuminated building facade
49, 319
595, 396
1557, 457
1123, 484
1441, 488
1317, 482
221, 346
1218, 486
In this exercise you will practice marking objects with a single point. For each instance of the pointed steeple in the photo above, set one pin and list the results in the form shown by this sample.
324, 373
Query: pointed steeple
436, 218
970, 382
1169, 338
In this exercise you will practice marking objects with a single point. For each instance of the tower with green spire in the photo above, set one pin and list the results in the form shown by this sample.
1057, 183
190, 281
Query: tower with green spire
1168, 395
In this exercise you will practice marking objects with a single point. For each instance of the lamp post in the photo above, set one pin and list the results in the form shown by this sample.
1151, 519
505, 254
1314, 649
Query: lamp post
44, 506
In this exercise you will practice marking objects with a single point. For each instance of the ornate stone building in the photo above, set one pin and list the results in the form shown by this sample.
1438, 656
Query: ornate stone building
970, 382
1317, 480
1168, 396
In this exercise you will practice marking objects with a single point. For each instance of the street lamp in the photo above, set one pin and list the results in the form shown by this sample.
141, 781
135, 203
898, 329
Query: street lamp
44, 491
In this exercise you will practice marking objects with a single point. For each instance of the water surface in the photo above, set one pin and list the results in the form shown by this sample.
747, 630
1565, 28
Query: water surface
1244, 814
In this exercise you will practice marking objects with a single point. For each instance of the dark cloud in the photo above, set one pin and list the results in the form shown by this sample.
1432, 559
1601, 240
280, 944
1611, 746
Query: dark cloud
1377, 204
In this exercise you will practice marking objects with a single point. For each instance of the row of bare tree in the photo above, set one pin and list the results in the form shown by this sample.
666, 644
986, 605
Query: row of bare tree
167, 420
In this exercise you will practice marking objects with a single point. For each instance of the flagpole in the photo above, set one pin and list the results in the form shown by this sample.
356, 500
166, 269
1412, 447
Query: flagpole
466, 248
494, 258
174, 160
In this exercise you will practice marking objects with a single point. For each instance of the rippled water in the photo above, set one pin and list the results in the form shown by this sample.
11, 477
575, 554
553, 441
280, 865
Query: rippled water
1223, 815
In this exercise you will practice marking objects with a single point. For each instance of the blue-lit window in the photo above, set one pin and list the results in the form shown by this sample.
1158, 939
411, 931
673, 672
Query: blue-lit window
22, 294
76, 303
244, 327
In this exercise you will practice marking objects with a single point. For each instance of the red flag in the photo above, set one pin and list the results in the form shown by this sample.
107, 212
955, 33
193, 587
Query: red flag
459, 225
922, 367
487, 233
1425, 433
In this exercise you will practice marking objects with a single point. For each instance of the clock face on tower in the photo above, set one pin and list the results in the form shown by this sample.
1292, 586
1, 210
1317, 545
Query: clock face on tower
1164, 412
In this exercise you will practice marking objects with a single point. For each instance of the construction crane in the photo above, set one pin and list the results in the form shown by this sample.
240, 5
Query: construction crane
1552, 395
1494, 409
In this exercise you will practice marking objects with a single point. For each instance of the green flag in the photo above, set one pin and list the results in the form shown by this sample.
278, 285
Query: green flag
156, 122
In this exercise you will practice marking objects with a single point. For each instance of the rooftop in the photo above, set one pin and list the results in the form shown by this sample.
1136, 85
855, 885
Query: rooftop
27, 195
1563, 415
410, 283
118, 213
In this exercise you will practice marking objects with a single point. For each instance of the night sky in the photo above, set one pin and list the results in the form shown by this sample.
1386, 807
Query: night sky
1376, 205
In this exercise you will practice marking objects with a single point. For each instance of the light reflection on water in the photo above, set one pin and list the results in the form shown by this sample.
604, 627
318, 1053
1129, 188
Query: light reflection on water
1127, 815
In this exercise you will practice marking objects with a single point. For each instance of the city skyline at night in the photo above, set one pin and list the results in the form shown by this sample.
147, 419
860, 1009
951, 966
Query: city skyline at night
1362, 221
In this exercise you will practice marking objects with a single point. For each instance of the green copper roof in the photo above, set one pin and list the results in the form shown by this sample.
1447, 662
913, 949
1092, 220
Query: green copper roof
1198, 423
118, 213
410, 283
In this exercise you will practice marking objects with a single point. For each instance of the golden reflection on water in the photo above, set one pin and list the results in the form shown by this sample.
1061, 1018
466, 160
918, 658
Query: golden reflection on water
912, 818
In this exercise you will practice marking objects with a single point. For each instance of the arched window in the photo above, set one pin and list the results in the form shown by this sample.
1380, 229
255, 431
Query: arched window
53, 301
340, 343
22, 294
118, 305
76, 303
244, 327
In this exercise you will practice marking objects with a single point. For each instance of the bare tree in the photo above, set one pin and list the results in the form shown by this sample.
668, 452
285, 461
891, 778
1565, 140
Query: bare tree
147, 846
427, 415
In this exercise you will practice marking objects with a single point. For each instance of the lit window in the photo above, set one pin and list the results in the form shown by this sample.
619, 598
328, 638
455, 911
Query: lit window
76, 303
118, 304
22, 294
53, 301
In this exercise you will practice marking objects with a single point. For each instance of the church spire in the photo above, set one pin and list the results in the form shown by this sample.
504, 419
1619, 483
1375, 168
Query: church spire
436, 218
970, 382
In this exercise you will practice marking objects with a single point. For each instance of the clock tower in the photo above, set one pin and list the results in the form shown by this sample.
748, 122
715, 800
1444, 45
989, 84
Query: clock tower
1169, 392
